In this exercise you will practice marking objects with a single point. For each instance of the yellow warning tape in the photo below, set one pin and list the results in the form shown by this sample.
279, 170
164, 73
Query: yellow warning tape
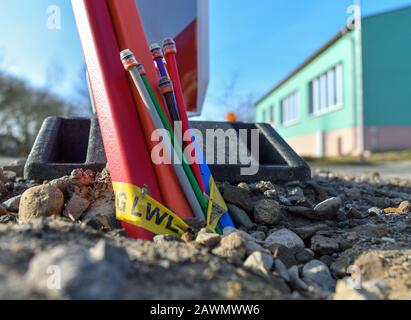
216, 205
136, 207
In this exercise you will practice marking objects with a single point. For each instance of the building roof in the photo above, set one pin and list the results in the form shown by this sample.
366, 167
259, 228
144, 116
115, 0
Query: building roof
327, 45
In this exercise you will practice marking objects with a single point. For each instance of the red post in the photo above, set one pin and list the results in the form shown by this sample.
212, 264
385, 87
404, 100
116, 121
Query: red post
127, 154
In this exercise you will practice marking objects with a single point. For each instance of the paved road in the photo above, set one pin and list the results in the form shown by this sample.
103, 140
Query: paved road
387, 170
4, 161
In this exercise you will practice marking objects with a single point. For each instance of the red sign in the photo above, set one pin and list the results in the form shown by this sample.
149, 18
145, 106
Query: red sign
187, 22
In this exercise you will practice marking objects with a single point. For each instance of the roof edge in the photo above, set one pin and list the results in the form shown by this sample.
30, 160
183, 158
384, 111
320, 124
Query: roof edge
306, 62
382, 12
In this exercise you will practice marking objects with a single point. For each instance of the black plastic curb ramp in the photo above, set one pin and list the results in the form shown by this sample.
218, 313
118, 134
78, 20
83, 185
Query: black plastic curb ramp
65, 144
277, 160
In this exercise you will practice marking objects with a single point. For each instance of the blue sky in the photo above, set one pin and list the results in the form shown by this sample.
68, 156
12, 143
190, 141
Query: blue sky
258, 41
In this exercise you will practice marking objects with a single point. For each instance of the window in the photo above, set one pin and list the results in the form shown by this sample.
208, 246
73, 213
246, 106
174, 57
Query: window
289, 109
272, 114
327, 91
263, 116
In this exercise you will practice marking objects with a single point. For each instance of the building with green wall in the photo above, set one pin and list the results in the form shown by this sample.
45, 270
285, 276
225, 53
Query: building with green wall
353, 95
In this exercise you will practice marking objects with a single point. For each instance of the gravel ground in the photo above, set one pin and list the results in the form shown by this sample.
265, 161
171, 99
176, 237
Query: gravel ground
332, 237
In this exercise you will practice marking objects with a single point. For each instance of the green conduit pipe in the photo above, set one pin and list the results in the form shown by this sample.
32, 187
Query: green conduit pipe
177, 147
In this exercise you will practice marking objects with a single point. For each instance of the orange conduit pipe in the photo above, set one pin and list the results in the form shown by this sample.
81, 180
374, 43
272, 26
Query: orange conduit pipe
130, 35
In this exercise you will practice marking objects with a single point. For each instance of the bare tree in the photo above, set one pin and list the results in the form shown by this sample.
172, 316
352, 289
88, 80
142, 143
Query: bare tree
22, 111
240, 105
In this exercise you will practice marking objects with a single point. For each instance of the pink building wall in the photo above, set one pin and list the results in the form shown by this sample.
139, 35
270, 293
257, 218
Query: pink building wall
344, 142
